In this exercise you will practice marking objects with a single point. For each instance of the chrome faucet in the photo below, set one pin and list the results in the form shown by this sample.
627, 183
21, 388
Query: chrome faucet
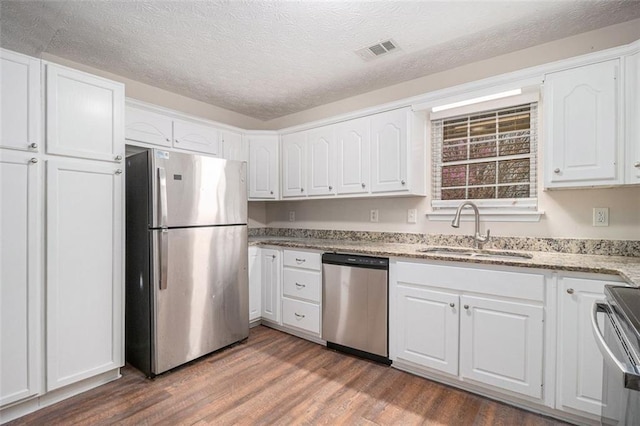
478, 239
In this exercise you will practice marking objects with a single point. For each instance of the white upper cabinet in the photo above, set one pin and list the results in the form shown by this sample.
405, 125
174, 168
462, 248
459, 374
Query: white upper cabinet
19, 101
321, 161
85, 302
234, 146
263, 167
582, 119
20, 277
85, 115
632, 119
148, 127
353, 140
196, 137
294, 149
390, 151
502, 344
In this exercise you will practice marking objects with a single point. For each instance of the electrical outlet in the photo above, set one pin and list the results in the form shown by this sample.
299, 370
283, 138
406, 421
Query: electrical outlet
412, 216
601, 216
373, 215
292, 216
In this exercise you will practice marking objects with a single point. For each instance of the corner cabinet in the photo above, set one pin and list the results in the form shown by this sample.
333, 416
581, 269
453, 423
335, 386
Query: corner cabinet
583, 126
263, 167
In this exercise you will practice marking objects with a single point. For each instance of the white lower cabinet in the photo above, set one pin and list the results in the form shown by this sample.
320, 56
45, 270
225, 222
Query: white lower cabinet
501, 344
579, 385
255, 285
20, 276
300, 314
84, 271
460, 321
301, 290
271, 284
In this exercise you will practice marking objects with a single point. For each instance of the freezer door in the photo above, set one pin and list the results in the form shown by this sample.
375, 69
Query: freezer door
204, 303
194, 190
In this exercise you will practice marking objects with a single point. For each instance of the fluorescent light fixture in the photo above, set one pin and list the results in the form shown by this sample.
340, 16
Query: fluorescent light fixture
477, 100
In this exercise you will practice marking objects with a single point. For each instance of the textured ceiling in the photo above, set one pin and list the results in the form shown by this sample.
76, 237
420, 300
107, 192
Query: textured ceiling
266, 59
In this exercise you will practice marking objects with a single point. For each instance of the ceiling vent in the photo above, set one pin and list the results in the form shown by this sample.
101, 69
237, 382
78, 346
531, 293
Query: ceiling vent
379, 49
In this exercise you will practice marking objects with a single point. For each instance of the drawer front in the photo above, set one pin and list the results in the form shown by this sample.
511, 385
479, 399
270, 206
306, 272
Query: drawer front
302, 259
301, 284
302, 315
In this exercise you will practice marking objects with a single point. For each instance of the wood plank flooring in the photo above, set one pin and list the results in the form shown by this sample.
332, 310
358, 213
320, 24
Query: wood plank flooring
275, 378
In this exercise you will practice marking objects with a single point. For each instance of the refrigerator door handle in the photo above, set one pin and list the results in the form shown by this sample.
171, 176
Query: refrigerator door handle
164, 253
162, 196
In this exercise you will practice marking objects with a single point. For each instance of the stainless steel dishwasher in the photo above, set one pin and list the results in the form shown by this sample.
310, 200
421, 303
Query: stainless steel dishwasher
355, 305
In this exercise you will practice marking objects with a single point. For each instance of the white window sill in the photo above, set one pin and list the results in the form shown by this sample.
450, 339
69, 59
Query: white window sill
492, 215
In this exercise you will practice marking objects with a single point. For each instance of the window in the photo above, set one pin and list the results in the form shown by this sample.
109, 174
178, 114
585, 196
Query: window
488, 157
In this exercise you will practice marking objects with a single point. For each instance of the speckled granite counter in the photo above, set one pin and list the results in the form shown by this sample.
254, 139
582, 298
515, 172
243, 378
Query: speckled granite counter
627, 267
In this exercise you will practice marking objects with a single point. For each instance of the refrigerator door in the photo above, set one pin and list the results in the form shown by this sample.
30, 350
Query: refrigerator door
194, 190
203, 304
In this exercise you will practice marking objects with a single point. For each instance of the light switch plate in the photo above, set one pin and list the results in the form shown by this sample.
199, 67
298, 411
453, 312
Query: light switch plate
601, 216
412, 216
292, 215
373, 215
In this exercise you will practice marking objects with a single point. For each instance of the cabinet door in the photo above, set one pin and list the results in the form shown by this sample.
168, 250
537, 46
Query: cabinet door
321, 161
149, 127
427, 328
581, 116
85, 115
263, 167
501, 344
84, 271
293, 164
196, 137
579, 359
234, 146
353, 139
270, 264
632, 91
19, 101
20, 277
389, 144
255, 284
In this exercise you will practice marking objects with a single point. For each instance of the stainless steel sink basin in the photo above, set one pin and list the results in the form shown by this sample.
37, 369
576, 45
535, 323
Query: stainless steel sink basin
475, 253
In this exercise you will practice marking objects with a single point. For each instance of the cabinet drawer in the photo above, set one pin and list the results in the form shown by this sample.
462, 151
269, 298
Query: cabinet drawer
302, 259
302, 315
302, 284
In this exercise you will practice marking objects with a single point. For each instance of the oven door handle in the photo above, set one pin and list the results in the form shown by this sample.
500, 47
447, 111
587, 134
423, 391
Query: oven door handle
631, 377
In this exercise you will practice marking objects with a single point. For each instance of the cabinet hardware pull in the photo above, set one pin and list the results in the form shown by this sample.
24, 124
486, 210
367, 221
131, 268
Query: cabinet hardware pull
273, 256
636, 164
33, 160
119, 171
363, 185
556, 171
570, 290
330, 187
300, 285
300, 260
271, 192
35, 146
453, 305
176, 141
466, 306
298, 315
118, 157
167, 139
301, 189
402, 182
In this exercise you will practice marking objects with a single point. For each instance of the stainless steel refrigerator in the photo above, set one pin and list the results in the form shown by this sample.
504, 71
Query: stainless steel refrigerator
186, 258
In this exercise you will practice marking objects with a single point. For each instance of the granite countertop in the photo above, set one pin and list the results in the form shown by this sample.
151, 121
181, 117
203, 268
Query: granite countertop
627, 267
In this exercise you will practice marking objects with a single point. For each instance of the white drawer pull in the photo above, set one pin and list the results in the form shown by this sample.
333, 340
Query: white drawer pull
300, 260
298, 315
300, 285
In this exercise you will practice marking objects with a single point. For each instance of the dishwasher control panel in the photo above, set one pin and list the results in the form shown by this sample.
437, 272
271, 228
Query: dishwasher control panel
353, 260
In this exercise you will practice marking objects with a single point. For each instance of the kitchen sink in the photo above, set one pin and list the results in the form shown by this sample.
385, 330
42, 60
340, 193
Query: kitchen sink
475, 253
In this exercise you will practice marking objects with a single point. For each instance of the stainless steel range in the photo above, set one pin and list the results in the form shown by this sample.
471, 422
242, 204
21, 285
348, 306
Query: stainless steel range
619, 342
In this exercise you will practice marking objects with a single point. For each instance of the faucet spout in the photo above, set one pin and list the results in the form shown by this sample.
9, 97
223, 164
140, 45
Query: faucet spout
479, 239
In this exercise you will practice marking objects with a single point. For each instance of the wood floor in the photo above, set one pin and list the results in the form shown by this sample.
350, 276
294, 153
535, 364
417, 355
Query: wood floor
275, 378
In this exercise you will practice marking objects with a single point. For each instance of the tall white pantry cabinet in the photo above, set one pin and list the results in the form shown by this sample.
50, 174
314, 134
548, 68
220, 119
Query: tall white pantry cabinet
61, 227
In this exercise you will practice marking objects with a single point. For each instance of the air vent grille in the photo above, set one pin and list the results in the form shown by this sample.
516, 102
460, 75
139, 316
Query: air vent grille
379, 49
